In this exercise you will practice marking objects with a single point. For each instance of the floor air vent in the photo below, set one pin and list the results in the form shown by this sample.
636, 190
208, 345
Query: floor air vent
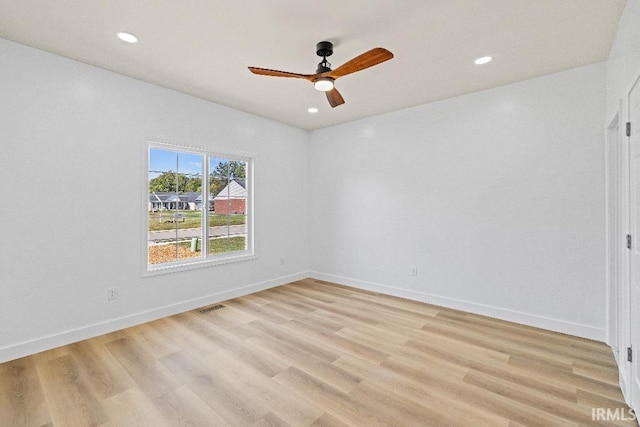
210, 308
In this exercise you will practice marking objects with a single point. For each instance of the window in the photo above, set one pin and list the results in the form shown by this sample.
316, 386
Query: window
199, 208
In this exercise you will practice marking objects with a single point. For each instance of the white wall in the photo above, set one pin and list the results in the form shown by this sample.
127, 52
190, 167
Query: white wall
496, 197
72, 149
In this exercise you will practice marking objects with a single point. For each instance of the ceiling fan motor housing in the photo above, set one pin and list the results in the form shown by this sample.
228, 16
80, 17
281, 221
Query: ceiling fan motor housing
324, 49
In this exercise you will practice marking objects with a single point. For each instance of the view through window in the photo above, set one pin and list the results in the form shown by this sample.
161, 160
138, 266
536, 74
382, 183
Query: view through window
198, 206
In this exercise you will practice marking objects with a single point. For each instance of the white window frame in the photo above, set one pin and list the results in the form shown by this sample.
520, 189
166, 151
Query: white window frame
206, 260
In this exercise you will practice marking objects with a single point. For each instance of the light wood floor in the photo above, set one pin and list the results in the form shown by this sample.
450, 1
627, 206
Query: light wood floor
312, 353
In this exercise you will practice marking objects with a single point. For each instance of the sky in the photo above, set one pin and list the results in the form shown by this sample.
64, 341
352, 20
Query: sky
161, 160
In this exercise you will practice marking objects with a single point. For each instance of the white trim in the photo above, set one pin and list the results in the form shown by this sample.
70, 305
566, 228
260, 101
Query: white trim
201, 148
613, 145
25, 348
33, 346
173, 267
556, 325
631, 390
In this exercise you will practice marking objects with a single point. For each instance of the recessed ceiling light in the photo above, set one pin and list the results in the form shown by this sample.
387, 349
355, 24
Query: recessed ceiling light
312, 110
483, 60
127, 37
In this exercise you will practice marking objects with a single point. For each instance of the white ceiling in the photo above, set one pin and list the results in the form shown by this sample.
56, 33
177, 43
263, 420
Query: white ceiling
203, 47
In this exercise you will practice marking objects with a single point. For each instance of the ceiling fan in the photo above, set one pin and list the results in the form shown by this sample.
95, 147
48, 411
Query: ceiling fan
325, 77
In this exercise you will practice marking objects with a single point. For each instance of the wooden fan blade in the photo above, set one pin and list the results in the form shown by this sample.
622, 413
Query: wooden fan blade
334, 98
276, 73
368, 59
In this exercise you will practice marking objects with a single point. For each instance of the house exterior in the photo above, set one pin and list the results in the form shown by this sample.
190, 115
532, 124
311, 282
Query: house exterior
172, 201
232, 199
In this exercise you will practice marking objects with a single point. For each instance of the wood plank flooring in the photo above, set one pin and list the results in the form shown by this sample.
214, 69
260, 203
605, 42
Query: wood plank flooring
313, 353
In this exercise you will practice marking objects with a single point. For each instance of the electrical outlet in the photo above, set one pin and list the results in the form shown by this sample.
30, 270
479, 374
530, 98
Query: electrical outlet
414, 271
112, 293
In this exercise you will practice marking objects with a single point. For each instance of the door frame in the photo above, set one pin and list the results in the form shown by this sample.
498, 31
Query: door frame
618, 179
631, 389
614, 193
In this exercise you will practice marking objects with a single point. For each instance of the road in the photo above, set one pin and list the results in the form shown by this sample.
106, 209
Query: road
187, 233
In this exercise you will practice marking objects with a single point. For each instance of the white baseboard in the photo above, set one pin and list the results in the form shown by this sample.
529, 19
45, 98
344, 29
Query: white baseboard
26, 348
556, 325
37, 345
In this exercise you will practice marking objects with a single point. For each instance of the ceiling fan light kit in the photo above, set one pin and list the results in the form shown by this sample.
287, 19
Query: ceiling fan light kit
324, 78
323, 84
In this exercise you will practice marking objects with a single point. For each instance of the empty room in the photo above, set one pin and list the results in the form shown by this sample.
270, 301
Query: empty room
194, 234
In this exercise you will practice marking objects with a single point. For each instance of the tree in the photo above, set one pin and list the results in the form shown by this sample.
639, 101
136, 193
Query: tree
224, 171
216, 185
231, 168
194, 185
166, 182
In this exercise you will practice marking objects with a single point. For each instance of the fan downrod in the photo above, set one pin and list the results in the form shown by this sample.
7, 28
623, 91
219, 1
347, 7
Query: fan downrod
324, 49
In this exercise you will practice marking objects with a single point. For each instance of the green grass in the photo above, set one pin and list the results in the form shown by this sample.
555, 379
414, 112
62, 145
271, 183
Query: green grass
219, 246
231, 244
157, 220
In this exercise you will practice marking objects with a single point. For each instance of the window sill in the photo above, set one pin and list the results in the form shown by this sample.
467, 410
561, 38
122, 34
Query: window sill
200, 263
